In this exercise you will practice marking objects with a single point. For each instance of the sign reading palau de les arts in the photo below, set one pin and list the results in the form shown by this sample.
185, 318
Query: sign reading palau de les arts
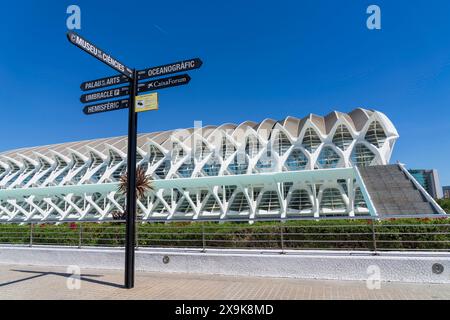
135, 103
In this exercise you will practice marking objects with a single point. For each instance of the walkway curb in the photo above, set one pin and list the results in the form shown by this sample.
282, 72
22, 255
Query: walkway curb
329, 265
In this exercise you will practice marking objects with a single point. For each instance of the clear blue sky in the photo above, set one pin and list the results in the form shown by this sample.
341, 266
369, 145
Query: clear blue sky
261, 59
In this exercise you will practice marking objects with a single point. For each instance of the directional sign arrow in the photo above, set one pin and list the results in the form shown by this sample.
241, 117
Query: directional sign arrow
162, 83
106, 94
103, 82
106, 106
93, 50
180, 66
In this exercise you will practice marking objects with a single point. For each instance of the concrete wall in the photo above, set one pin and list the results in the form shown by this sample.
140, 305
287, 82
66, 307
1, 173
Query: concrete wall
393, 266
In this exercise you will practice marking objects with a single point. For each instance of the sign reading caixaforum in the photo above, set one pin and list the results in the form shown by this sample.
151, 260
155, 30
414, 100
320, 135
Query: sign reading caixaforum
162, 83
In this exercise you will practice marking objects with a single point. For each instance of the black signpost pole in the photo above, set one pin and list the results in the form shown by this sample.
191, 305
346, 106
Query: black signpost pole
131, 187
131, 76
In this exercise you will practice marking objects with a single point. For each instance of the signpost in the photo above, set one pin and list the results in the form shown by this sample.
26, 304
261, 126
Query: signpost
146, 102
130, 236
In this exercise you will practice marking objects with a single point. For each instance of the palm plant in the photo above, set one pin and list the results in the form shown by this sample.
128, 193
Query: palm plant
143, 185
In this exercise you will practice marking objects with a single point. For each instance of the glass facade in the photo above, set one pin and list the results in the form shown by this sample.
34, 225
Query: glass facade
212, 167
296, 160
239, 165
267, 153
311, 140
375, 134
328, 158
342, 137
362, 156
299, 201
281, 144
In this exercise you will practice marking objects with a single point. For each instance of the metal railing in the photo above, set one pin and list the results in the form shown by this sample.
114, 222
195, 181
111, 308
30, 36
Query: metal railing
289, 234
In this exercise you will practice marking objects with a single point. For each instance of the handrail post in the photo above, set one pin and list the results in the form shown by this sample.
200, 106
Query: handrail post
80, 235
137, 236
31, 234
282, 239
374, 237
203, 238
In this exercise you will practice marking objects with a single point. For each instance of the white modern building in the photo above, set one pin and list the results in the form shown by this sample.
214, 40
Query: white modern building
274, 169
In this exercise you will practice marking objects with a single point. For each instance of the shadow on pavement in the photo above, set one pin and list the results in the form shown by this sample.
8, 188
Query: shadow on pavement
38, 274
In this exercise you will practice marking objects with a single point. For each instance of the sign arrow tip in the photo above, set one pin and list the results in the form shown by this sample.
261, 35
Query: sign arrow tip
69, 35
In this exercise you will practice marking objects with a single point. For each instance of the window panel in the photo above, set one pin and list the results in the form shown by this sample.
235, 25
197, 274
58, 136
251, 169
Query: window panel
311, 140
282, 144
362, 156
212, 167
359, 199
252, 146
328, 158
186, 169
342, 138
238, 167
375, 134
299, 201
240, 203
155, 155
266, 163
269, 202
163, 169
296, 160
332, 199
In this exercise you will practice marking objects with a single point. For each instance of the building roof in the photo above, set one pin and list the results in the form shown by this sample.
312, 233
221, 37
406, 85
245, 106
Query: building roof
356, 120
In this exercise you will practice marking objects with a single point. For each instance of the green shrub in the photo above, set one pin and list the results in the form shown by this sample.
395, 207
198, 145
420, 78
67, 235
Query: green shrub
445, 204
305, 234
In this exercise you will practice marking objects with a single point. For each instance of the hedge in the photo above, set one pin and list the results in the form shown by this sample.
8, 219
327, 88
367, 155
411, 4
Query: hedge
305, 234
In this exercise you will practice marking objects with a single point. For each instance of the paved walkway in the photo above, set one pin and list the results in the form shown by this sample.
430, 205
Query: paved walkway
30, 282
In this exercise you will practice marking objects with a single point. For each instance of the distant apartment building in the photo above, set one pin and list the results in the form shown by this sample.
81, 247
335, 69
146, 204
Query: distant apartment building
429, 180
446, 192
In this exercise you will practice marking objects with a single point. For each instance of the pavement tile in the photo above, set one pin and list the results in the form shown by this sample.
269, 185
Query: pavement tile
32, 282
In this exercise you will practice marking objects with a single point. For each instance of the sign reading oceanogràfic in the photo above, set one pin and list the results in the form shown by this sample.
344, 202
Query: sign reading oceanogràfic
162, 83
147, 102
180, 66
103, 82
93, 50
106, 106
106, 94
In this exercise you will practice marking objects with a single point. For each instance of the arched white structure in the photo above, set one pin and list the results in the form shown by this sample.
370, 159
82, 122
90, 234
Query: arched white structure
304, 168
